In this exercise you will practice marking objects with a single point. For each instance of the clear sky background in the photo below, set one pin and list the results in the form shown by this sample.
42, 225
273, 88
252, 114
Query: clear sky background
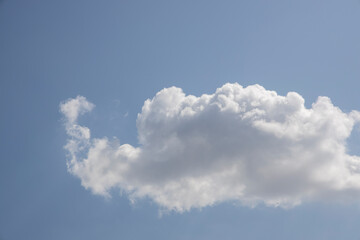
118, 54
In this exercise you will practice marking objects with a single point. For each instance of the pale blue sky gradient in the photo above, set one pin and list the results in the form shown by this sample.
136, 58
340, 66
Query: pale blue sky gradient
118, 54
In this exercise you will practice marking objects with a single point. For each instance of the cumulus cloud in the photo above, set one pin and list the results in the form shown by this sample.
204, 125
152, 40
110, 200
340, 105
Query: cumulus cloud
242, 144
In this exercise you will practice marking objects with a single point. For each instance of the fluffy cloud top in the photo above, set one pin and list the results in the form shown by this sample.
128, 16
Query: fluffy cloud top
239, 144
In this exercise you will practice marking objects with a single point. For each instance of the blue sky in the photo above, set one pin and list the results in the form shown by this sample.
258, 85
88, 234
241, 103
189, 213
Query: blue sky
117, 54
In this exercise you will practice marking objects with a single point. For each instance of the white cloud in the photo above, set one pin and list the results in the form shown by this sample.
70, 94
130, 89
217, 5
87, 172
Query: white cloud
239, 144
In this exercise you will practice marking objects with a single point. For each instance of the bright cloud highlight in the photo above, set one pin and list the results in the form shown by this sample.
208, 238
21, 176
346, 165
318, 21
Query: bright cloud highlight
248, 145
